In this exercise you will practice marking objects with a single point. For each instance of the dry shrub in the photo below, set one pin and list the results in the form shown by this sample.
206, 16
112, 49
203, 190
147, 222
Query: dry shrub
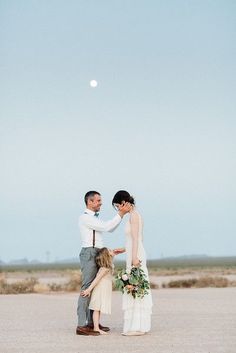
55, 287
202, 282
2, 276
26, 286
41, 288
31, 285
218, 282
74, 284
2, 286
154, 285
182, 283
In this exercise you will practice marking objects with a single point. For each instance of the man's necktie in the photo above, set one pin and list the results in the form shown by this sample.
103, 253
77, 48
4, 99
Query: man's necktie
96, 214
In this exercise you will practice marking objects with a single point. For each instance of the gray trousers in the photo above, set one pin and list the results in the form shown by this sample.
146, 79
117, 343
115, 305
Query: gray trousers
89, 270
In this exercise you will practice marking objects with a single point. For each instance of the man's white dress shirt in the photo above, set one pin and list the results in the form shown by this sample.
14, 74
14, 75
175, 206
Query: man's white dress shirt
88, 222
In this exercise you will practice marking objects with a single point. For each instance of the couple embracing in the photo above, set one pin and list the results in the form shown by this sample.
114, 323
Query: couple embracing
96, 267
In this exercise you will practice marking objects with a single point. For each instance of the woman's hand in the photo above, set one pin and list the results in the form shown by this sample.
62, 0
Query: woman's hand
136, 262
85, 293
129, 287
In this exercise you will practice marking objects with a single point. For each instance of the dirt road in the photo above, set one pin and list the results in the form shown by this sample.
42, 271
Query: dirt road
183, 321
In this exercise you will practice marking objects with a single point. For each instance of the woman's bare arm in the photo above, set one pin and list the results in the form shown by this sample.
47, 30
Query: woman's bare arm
134, 228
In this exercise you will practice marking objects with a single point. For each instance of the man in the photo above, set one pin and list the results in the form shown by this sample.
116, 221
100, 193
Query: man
91, 229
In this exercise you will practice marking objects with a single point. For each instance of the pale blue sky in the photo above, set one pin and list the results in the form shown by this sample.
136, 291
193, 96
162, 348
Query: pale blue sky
161, 123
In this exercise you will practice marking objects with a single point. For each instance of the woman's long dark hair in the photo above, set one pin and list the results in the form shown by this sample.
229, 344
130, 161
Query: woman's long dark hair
121, 196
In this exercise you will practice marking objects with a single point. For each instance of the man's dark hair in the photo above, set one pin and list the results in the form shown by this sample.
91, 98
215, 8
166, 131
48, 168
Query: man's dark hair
90, 195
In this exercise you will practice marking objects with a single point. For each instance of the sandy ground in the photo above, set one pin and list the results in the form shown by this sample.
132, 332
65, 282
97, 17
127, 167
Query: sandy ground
183, 321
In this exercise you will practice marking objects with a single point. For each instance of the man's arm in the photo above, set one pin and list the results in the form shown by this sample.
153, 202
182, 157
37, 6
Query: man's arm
99, 225
108, 226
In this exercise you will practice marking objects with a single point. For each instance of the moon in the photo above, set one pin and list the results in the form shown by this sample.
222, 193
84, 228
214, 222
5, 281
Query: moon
93, 83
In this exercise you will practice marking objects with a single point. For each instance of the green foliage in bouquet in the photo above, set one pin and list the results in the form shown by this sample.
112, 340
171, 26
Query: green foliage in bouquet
134, 283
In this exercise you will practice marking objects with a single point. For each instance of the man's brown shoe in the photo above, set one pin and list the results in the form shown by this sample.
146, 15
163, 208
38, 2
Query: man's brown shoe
86, 331
103, 328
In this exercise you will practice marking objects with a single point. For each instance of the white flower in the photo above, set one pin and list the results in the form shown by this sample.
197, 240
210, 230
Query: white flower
124, 277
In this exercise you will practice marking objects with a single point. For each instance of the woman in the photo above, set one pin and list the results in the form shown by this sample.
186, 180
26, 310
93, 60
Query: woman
137, 311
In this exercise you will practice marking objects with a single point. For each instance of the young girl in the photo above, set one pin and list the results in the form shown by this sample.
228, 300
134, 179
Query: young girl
102, 287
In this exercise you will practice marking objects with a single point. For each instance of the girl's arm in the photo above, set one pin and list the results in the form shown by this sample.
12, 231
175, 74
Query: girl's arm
134, 228
118, 251
101, 273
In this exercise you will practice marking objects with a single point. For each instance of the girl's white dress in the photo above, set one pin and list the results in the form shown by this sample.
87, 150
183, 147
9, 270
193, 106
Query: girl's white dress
101, 294
137, 311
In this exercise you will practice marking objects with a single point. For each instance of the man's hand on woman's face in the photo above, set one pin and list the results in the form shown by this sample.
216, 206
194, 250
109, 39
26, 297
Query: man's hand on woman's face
124, 208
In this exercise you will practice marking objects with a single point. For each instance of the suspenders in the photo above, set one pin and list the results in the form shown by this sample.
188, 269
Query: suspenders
93, 235
93, 238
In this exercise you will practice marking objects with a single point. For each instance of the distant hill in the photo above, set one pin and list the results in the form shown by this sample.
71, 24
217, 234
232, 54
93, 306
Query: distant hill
194, 256
184, 261
193, 261
19, 262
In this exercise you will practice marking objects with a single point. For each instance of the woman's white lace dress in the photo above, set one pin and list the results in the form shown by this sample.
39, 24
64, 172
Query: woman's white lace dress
137, 311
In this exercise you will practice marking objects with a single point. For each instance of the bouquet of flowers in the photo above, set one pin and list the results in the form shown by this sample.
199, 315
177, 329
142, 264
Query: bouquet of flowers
134, 282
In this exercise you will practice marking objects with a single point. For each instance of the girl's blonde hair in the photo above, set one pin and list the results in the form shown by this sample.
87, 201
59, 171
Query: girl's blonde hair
103, 258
